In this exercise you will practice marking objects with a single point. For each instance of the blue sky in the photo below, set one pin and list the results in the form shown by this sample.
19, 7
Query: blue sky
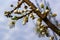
21, 32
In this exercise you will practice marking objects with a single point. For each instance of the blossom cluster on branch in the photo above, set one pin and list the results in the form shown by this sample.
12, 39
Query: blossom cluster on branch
30, 13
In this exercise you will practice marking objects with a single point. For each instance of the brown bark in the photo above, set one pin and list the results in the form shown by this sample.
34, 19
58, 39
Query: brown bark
19, 5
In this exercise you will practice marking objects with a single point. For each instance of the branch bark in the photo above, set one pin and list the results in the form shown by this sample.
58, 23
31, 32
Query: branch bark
21, 16
18, 6
52, 26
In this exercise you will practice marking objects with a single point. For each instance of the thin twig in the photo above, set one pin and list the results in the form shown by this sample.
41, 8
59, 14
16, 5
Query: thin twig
18, 6
22, 16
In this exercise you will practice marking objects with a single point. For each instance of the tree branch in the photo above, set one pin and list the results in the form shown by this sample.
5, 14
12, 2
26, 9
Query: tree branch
21, 16
18, 6
53, 27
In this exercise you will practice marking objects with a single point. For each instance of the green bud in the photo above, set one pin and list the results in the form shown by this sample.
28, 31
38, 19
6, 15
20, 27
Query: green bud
41, 5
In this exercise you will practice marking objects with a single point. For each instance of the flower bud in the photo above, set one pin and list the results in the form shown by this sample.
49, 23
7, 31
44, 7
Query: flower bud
19, 11
12, 23
39, 20
25, 20
41, 5
54, 15
37, 9
43, 33
31, 16
25, 10
42, 12
46, 12
51, 38
15, 11
41, 29
7, 13
30, 7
